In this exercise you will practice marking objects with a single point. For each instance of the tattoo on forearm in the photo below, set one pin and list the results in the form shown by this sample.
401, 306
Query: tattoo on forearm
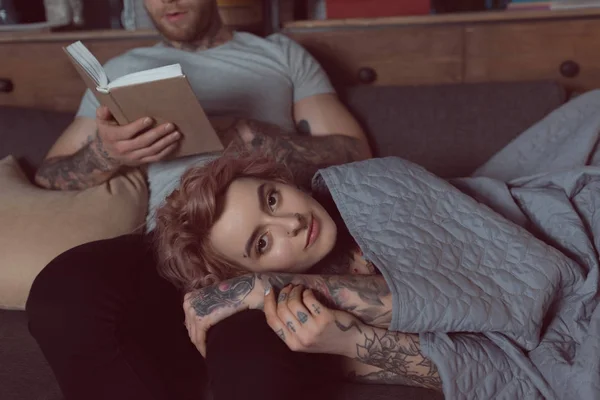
225, 294
88, 167
398, 354
367, 297
303, 155
345, 328
381, 377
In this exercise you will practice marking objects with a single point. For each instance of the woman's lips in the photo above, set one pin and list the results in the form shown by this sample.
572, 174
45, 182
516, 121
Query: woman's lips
313, 232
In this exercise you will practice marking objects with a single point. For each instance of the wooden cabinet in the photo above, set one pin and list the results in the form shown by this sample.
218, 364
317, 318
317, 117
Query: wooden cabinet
562, 50
474, 47
389, 55
455, 48
42, 76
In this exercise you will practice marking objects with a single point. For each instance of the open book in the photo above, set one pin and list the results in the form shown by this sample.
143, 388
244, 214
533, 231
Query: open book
163, 94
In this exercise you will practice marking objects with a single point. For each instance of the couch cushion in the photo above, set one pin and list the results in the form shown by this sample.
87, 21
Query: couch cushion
450, 129
24, 373
28, 134
38, 224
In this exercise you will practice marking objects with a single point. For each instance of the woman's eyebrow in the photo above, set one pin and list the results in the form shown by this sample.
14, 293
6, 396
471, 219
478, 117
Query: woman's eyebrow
260, 193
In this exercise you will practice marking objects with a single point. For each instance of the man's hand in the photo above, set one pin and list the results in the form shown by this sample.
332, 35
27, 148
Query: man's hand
133, 144
307, 326
204, 308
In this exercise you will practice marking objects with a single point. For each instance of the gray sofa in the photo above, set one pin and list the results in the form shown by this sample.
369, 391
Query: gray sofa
448, 129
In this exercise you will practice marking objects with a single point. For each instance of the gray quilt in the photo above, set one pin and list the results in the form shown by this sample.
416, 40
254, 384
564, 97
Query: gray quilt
497, 272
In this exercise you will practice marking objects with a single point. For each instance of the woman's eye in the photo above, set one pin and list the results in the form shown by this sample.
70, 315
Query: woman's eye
261, 244
272, 199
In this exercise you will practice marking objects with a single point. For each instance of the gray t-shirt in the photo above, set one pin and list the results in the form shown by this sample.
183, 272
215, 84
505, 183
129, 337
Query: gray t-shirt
250, 77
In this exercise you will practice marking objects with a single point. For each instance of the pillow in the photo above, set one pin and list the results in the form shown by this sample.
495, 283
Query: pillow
36, 225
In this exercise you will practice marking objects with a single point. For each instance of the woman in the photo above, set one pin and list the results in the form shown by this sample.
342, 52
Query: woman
241, 215
499, 312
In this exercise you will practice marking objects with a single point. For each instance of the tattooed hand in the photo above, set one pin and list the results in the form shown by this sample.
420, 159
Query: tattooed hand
208, 306
306, 325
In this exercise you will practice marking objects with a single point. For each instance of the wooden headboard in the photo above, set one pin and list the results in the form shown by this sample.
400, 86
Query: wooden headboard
457, 48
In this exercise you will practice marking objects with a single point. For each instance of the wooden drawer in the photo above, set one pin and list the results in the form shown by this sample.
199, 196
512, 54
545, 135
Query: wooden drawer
387, 55
533, 51
43, 77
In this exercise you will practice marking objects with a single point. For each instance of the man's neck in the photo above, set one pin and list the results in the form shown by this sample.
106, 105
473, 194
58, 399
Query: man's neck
216, 35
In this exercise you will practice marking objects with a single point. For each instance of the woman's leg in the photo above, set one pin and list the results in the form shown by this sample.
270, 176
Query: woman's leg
247, 360
111, 328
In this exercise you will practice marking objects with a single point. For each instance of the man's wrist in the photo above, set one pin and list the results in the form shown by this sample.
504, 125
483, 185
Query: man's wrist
101, 158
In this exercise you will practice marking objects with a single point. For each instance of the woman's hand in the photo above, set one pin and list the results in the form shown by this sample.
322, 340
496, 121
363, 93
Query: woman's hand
206, 307
306, 325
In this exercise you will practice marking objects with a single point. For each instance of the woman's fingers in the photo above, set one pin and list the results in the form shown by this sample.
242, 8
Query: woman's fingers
190, 324
312, 304
284, 293
270, 307
296, 306
283, 312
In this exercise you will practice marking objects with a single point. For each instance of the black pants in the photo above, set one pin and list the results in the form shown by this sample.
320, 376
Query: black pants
111, 328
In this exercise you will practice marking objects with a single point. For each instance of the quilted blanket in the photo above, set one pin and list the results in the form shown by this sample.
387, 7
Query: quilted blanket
497, 272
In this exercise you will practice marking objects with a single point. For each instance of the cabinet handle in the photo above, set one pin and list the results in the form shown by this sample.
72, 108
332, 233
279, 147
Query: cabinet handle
367, 75
6, 85
569, 69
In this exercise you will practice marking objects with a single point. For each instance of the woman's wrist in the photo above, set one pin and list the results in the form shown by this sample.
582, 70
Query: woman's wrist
256, 297
354, 338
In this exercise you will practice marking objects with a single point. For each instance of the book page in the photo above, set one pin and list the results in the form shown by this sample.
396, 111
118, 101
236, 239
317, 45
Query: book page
88, 62
149, 75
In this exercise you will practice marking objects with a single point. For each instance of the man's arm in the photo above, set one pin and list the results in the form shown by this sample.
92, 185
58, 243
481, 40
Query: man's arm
303, 154
75, 161
90, 151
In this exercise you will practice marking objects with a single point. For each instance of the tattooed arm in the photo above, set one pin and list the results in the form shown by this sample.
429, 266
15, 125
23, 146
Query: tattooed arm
367, 297
87, 167
371, 355
395, 358
90, 151
302, 154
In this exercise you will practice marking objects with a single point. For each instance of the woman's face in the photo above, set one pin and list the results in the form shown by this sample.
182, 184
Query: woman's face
271, 226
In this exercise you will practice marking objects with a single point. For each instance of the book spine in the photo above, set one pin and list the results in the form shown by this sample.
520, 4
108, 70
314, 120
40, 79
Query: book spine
108, 101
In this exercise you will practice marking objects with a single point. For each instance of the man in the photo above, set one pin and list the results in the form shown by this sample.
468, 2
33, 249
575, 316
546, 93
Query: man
271, 87
108, 325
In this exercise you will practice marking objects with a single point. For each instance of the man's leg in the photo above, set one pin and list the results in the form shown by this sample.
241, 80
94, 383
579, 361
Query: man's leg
247, 360
111, 328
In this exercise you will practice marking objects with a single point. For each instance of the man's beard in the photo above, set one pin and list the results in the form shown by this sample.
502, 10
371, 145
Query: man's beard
193, 31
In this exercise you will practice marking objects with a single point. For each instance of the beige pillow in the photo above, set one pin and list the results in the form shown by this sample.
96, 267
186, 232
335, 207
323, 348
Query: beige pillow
37, 225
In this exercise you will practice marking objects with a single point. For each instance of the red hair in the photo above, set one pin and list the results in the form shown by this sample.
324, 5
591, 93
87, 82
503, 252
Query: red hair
185, 255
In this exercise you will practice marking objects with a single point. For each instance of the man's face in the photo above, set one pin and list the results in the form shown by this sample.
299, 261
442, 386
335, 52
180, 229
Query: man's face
181, 20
